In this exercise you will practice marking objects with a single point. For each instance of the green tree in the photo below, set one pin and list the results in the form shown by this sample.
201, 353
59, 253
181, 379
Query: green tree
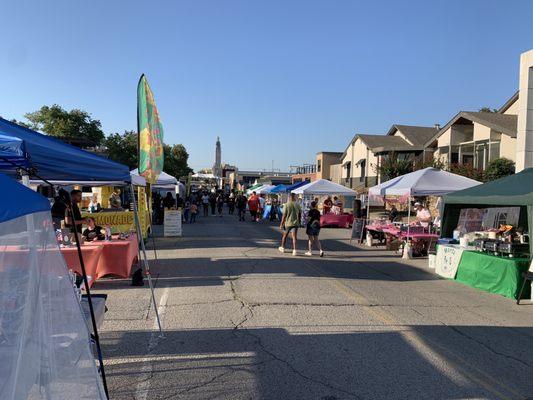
498, 168
75, 126
122, 148
391, 167
488, 110
176, 160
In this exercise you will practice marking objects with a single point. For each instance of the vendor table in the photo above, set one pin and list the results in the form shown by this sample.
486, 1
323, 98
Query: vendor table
91, 256
117, 257
493, 274
340, 220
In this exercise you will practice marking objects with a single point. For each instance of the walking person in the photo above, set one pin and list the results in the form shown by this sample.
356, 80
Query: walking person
231, 203
313, 229
240, 203
253, 206
220, 203
213, 203
290, 222
186, 211
262, 204
205, 204
194, 211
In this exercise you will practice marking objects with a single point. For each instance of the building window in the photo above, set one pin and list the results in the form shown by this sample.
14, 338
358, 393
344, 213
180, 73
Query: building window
318, 165
494, 151
363, 169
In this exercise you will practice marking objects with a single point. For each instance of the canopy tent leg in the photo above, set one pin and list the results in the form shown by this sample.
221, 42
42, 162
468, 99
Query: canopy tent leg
146, 265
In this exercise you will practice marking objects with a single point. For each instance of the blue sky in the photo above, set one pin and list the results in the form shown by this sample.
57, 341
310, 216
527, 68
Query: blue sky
276, 80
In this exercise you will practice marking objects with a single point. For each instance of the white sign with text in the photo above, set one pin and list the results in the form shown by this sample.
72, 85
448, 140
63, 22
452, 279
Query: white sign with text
447, 262
172, 223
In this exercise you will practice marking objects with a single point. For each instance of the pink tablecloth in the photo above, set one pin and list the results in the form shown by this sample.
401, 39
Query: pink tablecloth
339, 220
117, 256
91, 256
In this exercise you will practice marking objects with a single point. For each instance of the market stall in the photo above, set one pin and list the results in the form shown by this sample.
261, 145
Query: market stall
323, 187
45, 346
491, 224
421, 183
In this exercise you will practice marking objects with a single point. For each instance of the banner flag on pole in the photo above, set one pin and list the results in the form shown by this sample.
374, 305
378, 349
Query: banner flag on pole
151, 156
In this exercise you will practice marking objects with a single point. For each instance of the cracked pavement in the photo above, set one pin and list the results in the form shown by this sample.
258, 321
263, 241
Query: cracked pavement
243, 321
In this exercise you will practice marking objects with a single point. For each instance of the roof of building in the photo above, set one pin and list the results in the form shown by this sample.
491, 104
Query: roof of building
503, 123
509, 102
383, 143
333, 153
416, 135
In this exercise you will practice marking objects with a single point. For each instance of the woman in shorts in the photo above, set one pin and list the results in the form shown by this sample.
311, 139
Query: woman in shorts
313, 229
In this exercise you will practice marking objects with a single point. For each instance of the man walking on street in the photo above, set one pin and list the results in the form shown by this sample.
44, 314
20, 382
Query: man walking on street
290, 222
205, 204
240, 203
253, 206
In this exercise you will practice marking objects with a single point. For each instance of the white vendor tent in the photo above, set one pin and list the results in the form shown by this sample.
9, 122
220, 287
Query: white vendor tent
324, 187
164, 181
424, 182
44, 339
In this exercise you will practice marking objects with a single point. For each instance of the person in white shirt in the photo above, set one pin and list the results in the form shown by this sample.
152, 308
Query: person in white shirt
262, 204
205, 204
423, 216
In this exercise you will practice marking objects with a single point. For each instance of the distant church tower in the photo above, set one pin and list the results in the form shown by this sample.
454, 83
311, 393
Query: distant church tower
217, 167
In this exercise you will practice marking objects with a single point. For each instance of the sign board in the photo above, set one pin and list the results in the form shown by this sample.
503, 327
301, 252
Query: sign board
172, 223
447, 262
119, 221
358, 228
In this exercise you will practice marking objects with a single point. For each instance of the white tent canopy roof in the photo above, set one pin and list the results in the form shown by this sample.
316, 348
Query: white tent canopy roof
264, 189
424, 182
163, 180
324, 187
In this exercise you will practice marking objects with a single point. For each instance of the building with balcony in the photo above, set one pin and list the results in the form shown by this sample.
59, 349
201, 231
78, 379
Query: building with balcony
477, 138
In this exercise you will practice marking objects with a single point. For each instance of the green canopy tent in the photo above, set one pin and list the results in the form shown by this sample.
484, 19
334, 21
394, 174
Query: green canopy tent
512, 191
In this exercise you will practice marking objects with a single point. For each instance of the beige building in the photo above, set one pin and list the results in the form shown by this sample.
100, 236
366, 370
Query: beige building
359, 164
476, 138
324, 161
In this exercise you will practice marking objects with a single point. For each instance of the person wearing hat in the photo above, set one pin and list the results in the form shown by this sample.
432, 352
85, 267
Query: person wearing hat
423, 216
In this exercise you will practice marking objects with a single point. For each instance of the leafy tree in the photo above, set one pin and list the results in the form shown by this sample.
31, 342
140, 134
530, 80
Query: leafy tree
75, 126
122, 148
467, 170
176, 160
488, 110
498, 168
391, 167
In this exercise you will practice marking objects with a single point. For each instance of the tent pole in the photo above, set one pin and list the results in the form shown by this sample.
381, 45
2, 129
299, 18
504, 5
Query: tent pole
89, 298
146, 265
147, 200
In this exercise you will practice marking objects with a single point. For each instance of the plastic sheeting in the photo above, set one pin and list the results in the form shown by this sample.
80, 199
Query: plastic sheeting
45, 348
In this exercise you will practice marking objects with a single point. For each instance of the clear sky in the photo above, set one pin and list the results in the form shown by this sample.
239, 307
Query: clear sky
276, 80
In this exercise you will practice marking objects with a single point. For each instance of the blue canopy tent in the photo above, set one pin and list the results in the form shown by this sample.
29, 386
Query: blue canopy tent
46, 350
56, 161
281, 188
296, 185
12, 152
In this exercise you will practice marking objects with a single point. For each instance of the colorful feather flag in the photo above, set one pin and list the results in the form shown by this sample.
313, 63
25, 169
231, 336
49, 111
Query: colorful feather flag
151, 155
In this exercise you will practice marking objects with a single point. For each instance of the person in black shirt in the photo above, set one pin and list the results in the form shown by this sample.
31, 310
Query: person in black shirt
168, 201
59, 209
75, 198
240, 203
313, 229
93, 231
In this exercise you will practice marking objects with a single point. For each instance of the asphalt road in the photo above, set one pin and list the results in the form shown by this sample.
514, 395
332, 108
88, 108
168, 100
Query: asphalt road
243, 321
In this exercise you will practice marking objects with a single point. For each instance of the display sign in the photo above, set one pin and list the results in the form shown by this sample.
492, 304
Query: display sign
119, 221
447, 260
172, 223
358, 228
